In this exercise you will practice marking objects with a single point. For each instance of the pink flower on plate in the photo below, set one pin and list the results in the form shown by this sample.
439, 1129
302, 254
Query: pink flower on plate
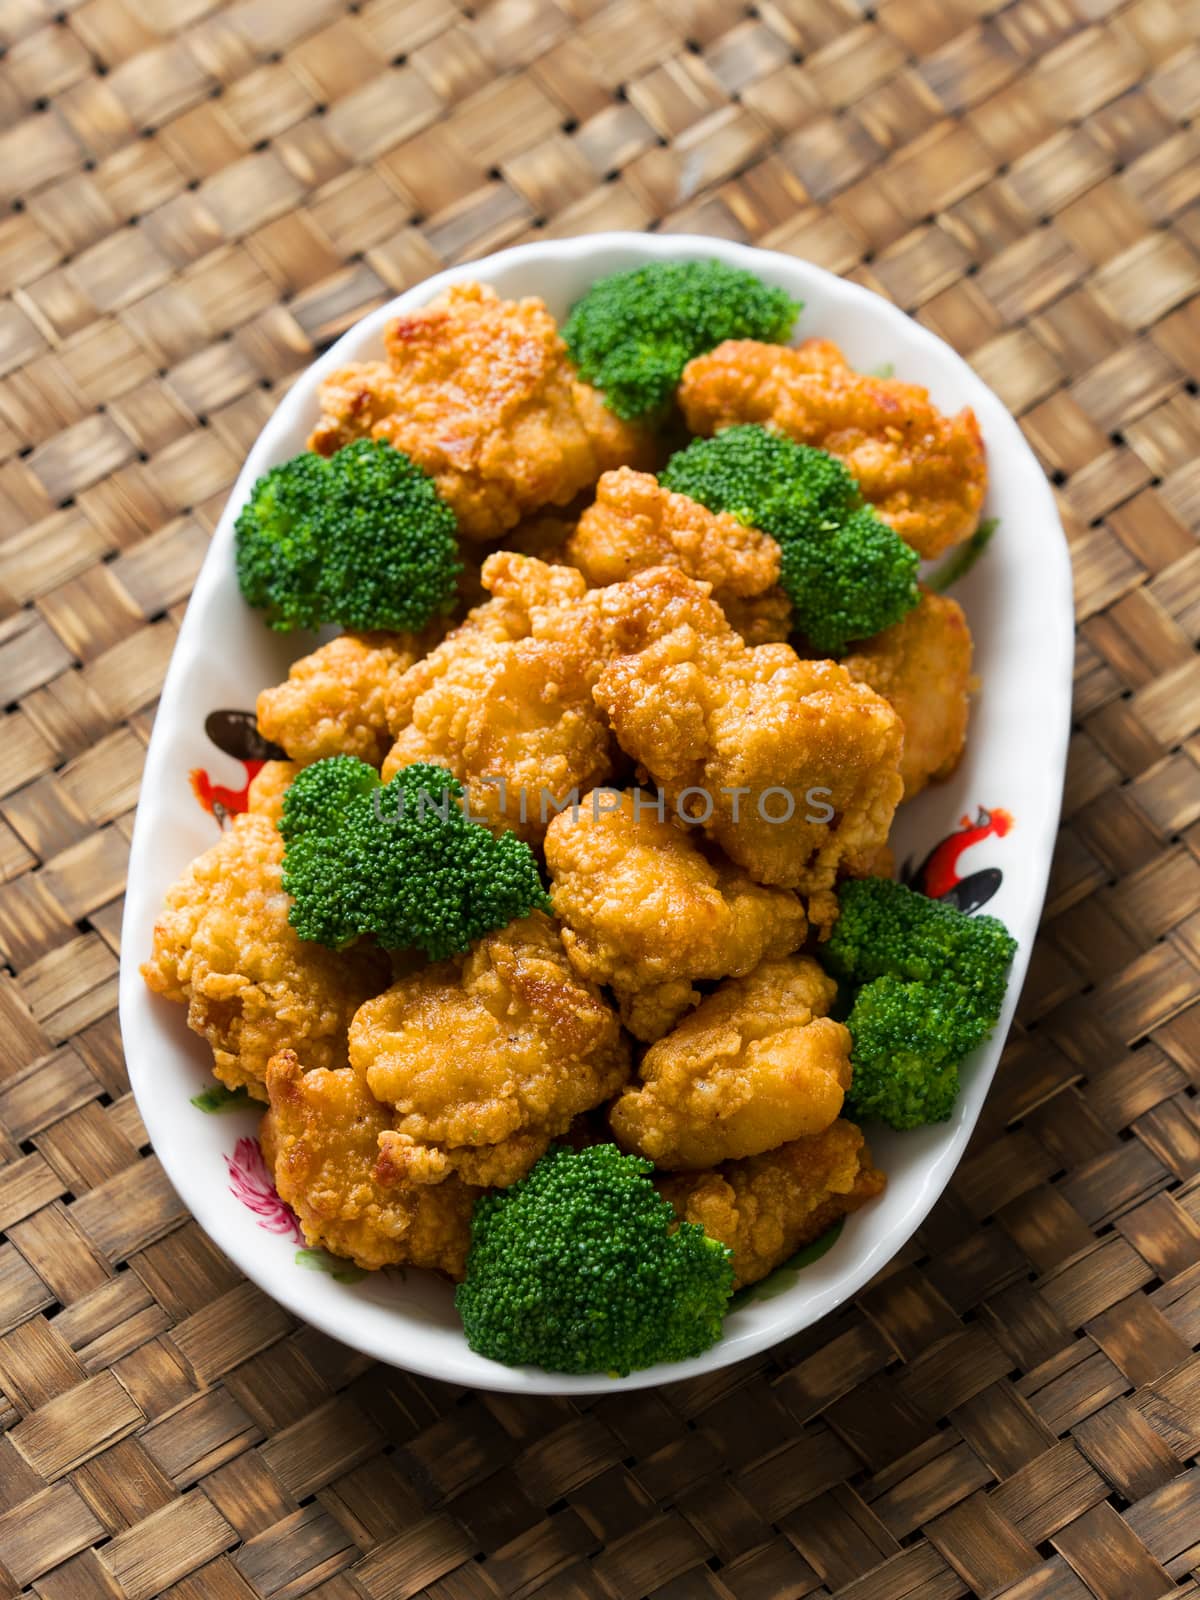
251, 1183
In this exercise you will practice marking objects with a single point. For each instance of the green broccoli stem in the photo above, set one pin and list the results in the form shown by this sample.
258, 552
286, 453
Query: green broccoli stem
959, 562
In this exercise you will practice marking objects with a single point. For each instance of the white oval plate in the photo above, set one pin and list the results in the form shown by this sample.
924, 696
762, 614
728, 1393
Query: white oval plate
1018, 600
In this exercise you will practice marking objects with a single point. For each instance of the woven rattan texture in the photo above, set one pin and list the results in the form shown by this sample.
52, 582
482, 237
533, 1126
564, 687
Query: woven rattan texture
199, 198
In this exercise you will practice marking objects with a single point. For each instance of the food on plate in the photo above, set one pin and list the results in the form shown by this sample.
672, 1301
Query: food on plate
510, 715
928, 984
334, 701
925, 472
544, 537
555, 932
507, 700
648, 914
620, 619
487, 1057
634, 523
268, 786
769, 1206
581, 1267
758, 1063
399, 861
633, 333
478, 391
762, 619
794, 767
320, 1138
363, 540
847, 574
224, 947
921, 666
961, 558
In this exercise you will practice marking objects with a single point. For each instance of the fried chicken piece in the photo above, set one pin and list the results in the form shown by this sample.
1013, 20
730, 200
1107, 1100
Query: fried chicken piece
924, 472
502, 617
617, 442
758, 1063
883, 863
334, 702
505, 701
497, 614
685, 697
647, 913
767, 1207
268, 787
320, 1139
794, 764
605, 623
510, 716
921, 666
515, 721
224, 948
761, 618
479, 392
635, 523
488, 1057
524, 586
536, 599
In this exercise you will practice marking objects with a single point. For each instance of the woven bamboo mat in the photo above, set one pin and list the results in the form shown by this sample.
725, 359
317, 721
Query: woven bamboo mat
199, 197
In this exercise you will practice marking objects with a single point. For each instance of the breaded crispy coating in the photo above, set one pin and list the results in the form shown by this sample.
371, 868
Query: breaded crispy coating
224, 948
487, 1058
320, 1139
616, 442
760, 618
505, 701
501, 618
883, 863
496, 615
268, 787
524, 586
757, 1064
794, 765
513, 719
922, 668
923, 471
635, 523
479, 392
646, 912
608, 622
767, 1207
334, 701
536, 599
517, 724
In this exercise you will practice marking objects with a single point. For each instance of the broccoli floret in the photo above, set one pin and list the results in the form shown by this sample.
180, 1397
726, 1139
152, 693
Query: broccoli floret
362, 539
633, 333
847, 574
930, 985
398, 860
580, 1267
905, 1064
885, 930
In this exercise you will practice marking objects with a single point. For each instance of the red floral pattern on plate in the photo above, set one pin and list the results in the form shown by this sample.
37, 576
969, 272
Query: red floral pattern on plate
251, 1183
